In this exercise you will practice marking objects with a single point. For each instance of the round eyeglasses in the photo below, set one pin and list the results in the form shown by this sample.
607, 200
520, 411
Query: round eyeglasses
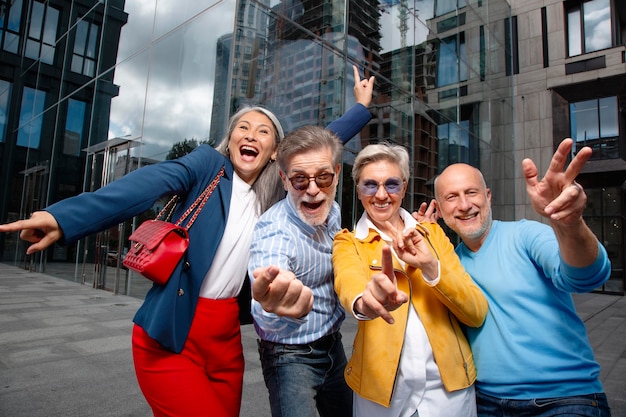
392, 185
301, 182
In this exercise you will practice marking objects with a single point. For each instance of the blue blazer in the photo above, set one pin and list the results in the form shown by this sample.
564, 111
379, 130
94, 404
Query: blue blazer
167, 311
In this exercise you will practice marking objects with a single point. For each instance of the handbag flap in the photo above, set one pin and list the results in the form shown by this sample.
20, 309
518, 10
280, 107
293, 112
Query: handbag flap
151, 232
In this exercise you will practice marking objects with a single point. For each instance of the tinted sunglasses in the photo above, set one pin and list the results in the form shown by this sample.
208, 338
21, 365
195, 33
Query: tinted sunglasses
392, 185
301, 182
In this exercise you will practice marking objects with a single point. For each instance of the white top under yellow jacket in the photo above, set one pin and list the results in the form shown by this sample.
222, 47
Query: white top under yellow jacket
373, 367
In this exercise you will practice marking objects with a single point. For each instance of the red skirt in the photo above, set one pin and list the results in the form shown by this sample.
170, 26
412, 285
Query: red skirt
206, 378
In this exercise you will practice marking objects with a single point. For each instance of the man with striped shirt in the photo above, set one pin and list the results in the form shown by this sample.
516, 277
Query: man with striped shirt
296, 312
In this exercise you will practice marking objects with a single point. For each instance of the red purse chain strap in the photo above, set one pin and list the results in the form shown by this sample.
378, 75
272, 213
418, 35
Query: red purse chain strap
199, 203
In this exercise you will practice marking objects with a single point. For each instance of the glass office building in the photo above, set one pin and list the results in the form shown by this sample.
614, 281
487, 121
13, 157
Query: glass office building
91, 90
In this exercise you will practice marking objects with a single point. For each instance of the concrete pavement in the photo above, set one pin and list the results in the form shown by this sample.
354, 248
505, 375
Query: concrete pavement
65, 350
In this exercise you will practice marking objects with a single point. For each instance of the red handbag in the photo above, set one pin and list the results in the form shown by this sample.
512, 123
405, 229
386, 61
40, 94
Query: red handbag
159, 245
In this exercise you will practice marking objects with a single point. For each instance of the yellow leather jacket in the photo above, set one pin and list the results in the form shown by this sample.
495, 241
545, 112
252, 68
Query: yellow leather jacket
372, 369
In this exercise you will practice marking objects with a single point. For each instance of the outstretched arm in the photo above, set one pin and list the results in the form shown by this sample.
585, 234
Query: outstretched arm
558, 197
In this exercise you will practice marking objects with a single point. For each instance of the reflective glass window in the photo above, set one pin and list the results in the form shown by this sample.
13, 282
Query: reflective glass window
85, 48
574, 33
10, 26
595, 123
445, 6
74, 127
31, 118
589, 27
451, 65
454, 143
42, 32
5, 95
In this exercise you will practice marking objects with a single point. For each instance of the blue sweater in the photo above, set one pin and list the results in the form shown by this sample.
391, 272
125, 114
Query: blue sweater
532, 344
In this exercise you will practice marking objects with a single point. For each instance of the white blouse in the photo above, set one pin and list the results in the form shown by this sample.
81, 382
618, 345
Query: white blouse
227, 273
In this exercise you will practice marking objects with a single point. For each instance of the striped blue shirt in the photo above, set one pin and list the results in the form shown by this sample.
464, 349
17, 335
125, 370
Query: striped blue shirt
282, 239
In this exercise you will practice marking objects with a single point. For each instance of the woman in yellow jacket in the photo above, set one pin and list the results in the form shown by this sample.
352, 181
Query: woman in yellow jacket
410, 356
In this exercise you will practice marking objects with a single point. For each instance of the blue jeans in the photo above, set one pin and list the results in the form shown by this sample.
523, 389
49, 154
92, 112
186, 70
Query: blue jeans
591, 405
307, 380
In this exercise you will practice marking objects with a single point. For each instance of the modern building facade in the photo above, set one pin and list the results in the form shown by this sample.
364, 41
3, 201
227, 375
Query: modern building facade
93, 89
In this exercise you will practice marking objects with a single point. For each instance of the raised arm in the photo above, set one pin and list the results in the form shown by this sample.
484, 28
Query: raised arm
357, 116
363, 88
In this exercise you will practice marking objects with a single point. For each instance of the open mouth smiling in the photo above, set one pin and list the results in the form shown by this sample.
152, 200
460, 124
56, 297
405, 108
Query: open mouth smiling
248, 152
312, 206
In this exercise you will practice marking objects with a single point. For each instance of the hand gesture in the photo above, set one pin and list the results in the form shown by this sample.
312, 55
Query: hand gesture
363, 88
41, 229
411, 246
557, 196
279, 292
427, 213
381, 293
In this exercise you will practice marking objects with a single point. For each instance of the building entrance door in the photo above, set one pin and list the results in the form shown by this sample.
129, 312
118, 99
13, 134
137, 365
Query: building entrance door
35, 188
100, 256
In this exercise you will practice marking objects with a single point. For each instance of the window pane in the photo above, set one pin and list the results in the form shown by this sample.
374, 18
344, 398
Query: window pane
5, 93
77, 64
36, 21
47, 54
609, 126
93, 39
11, 42
14, 16
72, 142
50, 28
32, 49
81, 37
612, 202
574, 36
462, 60
445, 6
31, 118
447, 65
90, 68
584, 119
597, 17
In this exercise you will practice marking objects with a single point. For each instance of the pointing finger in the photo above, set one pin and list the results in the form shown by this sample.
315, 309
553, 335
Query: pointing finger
387, 261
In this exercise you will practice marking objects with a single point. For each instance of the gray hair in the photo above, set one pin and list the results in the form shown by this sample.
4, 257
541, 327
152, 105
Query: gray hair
383, 151
267, 187
305, 139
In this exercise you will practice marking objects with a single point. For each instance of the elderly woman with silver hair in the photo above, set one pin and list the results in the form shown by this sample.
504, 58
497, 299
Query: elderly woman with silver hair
409, 292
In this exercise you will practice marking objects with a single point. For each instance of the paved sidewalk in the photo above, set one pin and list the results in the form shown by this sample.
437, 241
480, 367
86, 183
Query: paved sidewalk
65, 350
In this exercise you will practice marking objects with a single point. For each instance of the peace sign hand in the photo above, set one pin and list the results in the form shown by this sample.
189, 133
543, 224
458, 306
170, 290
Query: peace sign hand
557, 196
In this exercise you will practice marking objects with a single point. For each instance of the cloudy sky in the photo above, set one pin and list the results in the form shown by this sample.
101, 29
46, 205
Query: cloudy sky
166, 85
419, 12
